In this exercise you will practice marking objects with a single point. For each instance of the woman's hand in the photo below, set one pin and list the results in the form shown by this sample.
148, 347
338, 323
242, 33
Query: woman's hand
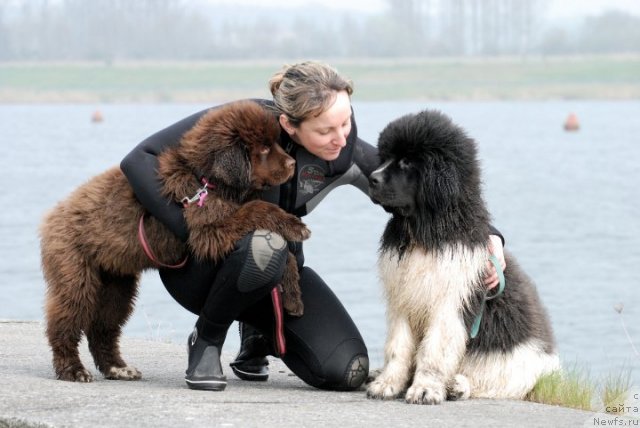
491, 279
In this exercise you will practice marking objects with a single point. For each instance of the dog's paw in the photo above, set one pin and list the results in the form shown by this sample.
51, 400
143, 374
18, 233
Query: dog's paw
430, 392
458, 388
293, 306
123, 373
295, 230
76, 374
373, 375
382, 390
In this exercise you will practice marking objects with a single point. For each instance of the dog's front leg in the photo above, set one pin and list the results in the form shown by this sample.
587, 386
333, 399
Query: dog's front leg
437, 360
398, 360
215, 230
291, 293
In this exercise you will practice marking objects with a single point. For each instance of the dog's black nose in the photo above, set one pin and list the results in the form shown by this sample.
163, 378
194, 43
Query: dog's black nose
375, 178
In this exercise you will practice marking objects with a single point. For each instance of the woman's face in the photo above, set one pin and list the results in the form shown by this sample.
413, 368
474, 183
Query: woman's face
324, 135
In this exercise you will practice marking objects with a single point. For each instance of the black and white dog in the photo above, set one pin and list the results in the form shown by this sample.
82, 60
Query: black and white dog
432, 262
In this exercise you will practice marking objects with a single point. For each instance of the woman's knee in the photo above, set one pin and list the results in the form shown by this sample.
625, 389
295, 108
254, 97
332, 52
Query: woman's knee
347, 367
344, 370
265, 257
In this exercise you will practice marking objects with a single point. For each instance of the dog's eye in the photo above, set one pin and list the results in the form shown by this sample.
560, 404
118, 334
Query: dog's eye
404, 163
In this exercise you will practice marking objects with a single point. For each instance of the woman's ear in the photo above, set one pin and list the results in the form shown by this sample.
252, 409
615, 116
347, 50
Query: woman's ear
286, 125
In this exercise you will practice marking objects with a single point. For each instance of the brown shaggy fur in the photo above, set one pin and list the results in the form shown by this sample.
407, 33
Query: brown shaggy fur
92, 259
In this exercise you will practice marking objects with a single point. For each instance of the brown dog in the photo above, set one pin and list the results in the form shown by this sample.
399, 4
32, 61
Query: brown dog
92, 259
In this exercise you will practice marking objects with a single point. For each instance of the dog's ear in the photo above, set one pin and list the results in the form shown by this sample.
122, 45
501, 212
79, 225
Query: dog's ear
440, 184
230, 166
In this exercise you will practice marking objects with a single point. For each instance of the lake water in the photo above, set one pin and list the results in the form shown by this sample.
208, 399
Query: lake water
567, 204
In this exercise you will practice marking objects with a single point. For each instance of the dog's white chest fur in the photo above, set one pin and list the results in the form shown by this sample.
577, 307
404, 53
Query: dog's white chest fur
421, 282
426, 293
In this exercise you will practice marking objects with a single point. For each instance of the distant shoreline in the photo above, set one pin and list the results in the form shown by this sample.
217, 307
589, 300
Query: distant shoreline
459, 79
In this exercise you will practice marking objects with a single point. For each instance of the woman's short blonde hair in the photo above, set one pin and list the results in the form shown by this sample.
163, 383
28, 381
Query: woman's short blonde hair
306, 89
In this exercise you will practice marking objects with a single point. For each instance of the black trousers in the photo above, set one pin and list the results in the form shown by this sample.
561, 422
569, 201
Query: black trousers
324, 347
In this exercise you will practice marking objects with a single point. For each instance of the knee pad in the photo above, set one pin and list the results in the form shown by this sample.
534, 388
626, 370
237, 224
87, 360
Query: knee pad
356, 373
347, 368
266, 257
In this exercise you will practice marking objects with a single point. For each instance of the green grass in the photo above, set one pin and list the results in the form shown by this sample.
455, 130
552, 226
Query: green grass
575, 388
571, 388
375, 79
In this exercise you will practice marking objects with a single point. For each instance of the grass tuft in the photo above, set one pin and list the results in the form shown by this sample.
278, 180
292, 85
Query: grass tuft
574, 387
568, 388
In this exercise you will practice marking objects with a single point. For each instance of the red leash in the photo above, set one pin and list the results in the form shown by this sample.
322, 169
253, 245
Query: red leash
198, 198
276, 299
142, 237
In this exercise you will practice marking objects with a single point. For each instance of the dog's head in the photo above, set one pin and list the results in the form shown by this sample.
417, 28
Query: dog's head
237, 145
427, 164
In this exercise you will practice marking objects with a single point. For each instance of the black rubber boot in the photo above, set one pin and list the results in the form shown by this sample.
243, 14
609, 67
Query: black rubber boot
205, 370
247, 275
251, 362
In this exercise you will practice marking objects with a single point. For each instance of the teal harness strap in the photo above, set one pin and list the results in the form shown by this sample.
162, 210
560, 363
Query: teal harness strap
475, 328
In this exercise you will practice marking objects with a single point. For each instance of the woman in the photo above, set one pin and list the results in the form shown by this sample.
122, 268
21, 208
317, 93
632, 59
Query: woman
324, 347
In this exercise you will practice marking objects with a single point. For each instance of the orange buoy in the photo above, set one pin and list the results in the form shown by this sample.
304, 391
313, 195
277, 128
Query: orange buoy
97, 117
571, 124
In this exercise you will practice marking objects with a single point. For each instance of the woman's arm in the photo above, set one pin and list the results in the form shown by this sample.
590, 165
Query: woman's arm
140, 167
365, 157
